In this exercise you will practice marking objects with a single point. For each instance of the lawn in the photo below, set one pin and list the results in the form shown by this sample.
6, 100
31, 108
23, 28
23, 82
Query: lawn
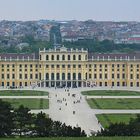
22, 93
91, 138
110, 93
114, 103
30, 103
107, 119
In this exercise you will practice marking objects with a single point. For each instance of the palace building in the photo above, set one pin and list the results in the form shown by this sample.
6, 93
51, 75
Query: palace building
62, 67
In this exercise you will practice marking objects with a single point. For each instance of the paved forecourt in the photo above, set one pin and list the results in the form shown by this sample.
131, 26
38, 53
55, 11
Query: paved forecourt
69, 110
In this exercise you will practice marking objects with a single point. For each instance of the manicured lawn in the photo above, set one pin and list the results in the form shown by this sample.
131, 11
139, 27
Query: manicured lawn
30, 103
107, 119
114, 103
22, 93
91, 138
110, 93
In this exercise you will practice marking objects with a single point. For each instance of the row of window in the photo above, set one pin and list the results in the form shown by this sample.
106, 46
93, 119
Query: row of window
113, 76
63, 57
69, 75
63, 76
21, 76
131, 84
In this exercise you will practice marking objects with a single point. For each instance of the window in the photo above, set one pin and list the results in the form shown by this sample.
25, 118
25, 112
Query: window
118, 84
123, 76
52, 66
106, 84
8, 76
112, 76
47, 76
79, 76
123, 65
13, 76
20, 76
86, 57
8, 84
40, 57
137, 76
47, 66
68, 66
131, 66
74, 66
2, 76
100, 76
36, 76
13, 84
57, 76
63, 57
105, 76
113, 84
74, 57
52, 76
25, 84
79, 57
118, 76
31, 76
63, 76
69, 76
63, 66
58, 66
131, 76
131, 84
74, 76
52, 57
100, 84
90, 76
68, 57
57, 57
26, 76
47, 57
79, 66
95, 76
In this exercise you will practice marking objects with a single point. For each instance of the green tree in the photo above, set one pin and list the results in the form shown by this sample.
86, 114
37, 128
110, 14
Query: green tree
6, 119
43, 125
23, 120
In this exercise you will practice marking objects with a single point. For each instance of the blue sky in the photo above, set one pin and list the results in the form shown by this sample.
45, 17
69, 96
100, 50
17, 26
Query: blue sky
117, 10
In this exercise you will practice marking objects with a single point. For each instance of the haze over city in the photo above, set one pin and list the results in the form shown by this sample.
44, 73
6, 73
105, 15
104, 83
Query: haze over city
100, 10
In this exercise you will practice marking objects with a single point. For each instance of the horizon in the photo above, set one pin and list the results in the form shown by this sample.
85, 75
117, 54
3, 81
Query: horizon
81, 10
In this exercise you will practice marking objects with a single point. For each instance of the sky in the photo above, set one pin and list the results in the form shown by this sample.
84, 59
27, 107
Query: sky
99, 10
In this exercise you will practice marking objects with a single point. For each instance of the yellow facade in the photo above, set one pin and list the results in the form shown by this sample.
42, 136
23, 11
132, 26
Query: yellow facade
69, 68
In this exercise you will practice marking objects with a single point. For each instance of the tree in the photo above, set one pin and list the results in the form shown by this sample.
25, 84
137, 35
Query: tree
43, 125
6, 119
23, 120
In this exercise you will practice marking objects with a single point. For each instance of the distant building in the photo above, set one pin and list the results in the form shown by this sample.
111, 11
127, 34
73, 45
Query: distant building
134, 39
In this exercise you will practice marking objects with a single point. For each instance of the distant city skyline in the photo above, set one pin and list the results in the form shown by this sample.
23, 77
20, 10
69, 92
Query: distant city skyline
99, 10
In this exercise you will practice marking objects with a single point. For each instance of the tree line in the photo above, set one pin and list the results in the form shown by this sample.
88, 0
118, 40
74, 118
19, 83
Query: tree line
93, 45
122, 129
20, 122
